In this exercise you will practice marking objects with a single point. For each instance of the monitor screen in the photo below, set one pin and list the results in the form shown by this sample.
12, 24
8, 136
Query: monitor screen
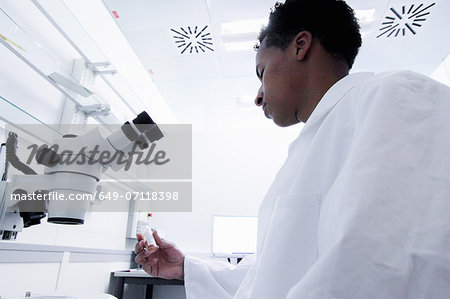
234, 236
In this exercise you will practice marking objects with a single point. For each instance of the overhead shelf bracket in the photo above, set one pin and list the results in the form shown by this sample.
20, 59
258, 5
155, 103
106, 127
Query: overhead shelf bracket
95, 110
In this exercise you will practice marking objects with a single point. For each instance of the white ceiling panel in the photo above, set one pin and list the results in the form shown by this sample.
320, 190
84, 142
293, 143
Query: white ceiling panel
146, 14
210, 89
416, 45
234, 10
160, 54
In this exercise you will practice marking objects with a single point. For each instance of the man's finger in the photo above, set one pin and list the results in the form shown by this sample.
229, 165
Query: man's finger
139, 237
160, 241
152, 249
140, 243
140, 258
139, 247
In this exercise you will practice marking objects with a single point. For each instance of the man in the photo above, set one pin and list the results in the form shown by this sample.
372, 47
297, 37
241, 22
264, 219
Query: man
361, 207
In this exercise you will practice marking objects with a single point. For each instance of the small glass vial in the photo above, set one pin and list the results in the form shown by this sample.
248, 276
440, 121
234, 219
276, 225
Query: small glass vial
144, 229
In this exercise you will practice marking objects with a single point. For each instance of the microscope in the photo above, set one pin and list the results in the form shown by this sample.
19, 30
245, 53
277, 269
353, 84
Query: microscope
73, 168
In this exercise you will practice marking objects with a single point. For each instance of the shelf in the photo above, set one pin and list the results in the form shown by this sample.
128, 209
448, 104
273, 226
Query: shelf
63, 19
19, 42
18, 115
121, 97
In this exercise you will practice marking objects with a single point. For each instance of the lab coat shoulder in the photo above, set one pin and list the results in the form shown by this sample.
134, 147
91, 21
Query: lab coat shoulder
402, 90
384, 230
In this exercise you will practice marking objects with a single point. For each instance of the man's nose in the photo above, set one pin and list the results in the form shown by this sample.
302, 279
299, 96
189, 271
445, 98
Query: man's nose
259, 97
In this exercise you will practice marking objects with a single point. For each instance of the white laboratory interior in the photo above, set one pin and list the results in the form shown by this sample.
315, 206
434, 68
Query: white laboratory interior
85, 63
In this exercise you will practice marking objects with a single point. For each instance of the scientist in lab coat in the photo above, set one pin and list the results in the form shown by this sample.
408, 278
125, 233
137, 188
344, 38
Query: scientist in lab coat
361, 207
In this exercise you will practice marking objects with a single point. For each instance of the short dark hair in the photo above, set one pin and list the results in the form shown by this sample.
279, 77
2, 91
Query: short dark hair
332, 22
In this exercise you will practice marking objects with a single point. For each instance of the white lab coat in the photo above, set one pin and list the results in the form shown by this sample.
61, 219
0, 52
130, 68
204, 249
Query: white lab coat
361, 207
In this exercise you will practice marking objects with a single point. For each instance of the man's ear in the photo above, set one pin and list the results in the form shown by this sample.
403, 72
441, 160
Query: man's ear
302, 43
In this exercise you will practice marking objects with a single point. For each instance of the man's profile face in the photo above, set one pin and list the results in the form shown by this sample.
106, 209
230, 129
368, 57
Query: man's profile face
279, 91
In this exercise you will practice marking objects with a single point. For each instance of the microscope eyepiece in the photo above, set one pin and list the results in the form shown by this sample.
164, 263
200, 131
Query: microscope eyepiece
143, 119
143, 122
128, 130
142, 131
154, 134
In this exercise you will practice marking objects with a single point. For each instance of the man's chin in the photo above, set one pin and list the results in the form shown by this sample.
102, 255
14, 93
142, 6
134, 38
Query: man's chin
284, 123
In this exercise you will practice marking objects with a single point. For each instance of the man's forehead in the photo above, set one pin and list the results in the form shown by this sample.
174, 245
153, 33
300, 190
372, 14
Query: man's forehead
263, 44
264, 51
261, 49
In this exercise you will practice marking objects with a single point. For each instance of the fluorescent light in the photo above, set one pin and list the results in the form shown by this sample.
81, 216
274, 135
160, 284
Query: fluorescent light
243, 26
239, 46
365, 16
241, 35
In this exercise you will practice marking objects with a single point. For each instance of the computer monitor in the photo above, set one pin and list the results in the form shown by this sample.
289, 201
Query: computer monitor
233, 236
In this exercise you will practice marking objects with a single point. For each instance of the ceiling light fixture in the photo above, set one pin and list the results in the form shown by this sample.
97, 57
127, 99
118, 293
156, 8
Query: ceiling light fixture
193, 39
408, 19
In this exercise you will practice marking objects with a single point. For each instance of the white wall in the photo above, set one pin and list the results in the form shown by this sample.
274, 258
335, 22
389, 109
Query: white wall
232, 170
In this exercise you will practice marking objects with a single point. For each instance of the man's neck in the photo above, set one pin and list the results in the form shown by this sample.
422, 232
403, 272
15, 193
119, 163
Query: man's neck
322, 79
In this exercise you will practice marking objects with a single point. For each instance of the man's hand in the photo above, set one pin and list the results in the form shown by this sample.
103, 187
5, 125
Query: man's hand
165, 260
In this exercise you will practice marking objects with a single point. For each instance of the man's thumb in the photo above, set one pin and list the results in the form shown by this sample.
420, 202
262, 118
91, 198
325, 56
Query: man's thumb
160, 242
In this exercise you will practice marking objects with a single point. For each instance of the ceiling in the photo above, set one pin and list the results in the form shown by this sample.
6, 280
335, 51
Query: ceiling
211, 86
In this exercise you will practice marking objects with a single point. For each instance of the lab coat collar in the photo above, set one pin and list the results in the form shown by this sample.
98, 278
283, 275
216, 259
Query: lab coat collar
334, 95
